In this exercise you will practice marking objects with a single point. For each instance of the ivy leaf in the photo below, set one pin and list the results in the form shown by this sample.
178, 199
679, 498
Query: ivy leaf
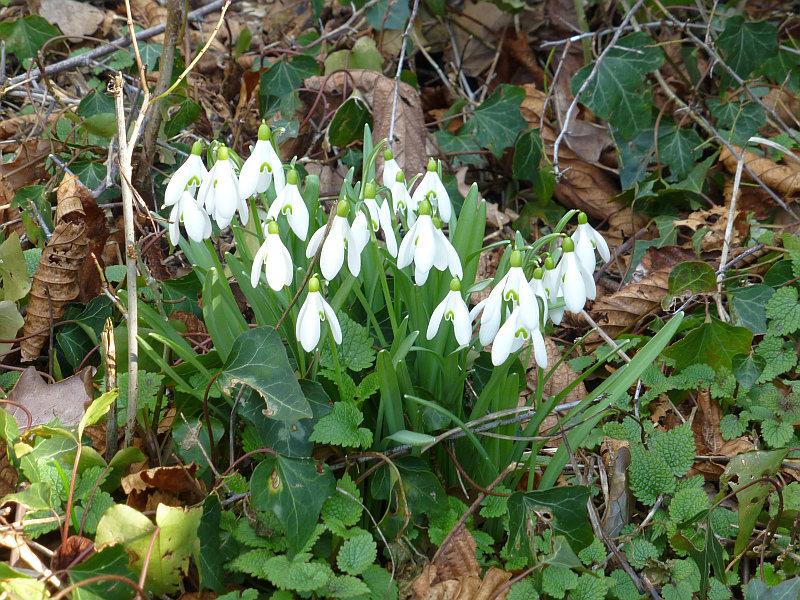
615, 93
347, 125
497, 122
25, 37
679, 149
528, 154
746, 45
714, 343
748, 368
696, 277
355, 352
341, 427
461, 143
783, 310
287, 74
750, 306
356, 554
109, 561
258, 359
741, 120
294, 490
179, 115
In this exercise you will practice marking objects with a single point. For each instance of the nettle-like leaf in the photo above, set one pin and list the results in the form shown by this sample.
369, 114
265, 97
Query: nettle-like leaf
346, 586
615, 94
625, 588
356, 554
557, 580
640, 551
687, 503
783, 310
355, 352
731, 427
495, 506
777, 434
679, 149
149, 384
676, 448
779, 354
523, 590
298, 574
341, 427
591, 587
593, 553
497, 122
382, 586
252, 562
342, 507
649, 475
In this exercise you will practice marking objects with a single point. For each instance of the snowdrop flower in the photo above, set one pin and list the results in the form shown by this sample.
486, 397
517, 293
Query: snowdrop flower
290, 203
452, 308
193, 217
513, 288
537, 286
552, 285
315, 310
432, 190
401, 199
426, 246
587, 240
275, 260
577, 283
513, 334
262, 167
381, 217
189, 176
390, 168
220, 192
340, 237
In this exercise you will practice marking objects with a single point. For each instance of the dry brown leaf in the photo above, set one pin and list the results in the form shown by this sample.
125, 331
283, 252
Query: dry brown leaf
67, 399
559, 380
76, 550
783, 179
716, 220
71, 17
166, 485
408, 145
26, 169
8, 474
785, 104
614, 313
455, 573
583, 186
620, 503
57, 279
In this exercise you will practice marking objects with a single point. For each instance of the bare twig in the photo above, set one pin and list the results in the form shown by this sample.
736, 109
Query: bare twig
406, 33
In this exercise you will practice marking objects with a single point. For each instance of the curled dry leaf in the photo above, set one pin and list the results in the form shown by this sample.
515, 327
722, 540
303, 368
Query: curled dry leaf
614, 313
76, 550
560, 379
408, 145
455, 574
621, 503
709, 441
716, 221
58, 275
782, 178
583, 186
165, 485
66, 400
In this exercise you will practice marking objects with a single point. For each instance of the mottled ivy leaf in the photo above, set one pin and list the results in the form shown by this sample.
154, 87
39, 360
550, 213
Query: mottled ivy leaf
750, 306
286, 75
737, 121
294, 489
615, 93
497, 122
421, 489
181, 293
91, 174
695, 181
258, 359
746, 45
714, 343
95, 103
528, 155
679, 149
291, 437
77, 339
347, 125
182, 113
743, 470
109, 561
25, 37
457, 144
786, 590
695, 277
747, 368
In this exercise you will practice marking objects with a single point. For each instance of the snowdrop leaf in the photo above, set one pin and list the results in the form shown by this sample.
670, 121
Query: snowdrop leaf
258, 359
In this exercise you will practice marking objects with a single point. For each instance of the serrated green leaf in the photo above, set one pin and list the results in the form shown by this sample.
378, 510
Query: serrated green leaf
345, 586
591, 587
297, 576
730, 427
557, 580
356, 554
779, 355
497, 122
341, 427
615, 93
746, 45
777, 434
294, 490
783, 311
649, 475
523, 590
714, 343
355, 352
258, 359
676, 448
382, 586
26, 36
342, 507
687, 503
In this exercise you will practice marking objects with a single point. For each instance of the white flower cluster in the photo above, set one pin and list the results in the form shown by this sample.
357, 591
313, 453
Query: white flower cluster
510, 316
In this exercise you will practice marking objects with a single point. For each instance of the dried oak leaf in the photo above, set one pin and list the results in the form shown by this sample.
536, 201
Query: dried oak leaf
454, 574
614, 313
165, 485
57, 279
781, 178
66, 399
583, 186
408, 145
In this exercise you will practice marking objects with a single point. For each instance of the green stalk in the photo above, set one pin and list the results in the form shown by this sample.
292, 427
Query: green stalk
384, 284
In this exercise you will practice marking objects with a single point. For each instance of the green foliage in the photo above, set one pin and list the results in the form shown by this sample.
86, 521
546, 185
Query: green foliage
783, 310
26, 36
556, 581
356, 554
497, 122
341, 427
342, 507
355, 352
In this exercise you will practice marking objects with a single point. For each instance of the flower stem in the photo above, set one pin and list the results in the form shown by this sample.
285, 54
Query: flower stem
384, 284
371, 316
335, 358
